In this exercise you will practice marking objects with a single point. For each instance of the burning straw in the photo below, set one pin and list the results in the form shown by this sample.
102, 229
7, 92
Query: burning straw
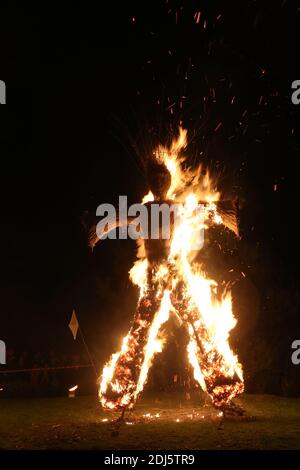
170, 280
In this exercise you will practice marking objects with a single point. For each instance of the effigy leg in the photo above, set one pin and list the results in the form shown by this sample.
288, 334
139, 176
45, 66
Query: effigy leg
119, 387
216, 376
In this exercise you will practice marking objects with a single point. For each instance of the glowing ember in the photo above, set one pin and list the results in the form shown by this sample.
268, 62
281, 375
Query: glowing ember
175, 282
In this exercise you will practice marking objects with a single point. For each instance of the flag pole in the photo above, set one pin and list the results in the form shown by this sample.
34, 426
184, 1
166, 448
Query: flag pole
88, 351
74, 327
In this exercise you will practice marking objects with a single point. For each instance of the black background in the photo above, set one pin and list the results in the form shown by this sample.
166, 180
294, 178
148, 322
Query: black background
89, 92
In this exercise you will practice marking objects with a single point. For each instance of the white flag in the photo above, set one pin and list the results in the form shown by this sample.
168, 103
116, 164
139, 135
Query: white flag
74, 325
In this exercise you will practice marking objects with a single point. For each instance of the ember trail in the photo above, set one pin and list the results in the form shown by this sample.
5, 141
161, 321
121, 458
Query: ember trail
172, 282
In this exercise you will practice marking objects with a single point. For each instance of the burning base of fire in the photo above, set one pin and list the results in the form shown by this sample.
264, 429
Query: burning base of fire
182, 414
165, 416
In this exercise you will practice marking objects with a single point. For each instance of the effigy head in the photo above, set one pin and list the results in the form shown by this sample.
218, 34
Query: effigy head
159, 178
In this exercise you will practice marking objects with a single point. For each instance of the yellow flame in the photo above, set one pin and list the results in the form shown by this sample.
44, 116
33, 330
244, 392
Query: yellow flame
147, 198
209, 319
154, 344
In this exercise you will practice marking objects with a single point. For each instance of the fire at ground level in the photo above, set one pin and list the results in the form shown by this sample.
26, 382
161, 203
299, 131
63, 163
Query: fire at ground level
164, 421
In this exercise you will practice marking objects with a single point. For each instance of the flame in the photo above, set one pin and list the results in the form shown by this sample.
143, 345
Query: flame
147, 198
72, 389
154, 344
181, 286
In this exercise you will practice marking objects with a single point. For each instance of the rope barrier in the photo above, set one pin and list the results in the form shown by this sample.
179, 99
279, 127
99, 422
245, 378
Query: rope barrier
36, 369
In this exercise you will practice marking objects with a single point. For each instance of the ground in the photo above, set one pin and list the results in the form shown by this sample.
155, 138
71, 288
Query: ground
77, 423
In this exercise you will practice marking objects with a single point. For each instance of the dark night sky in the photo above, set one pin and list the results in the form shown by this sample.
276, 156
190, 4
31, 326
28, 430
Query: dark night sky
82, 85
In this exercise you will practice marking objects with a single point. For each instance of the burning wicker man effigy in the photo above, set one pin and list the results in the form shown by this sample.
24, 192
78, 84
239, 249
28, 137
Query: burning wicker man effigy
172, 281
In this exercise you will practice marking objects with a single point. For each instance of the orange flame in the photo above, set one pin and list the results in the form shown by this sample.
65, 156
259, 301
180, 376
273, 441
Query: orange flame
209, 320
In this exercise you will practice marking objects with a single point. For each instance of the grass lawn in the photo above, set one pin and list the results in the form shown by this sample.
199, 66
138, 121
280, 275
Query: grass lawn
63, 423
